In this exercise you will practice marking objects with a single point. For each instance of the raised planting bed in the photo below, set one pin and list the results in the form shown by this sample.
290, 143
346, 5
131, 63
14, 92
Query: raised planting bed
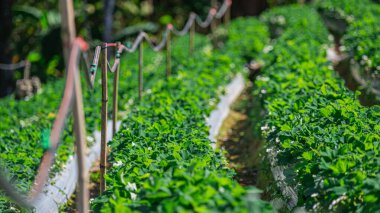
325, 141
25, 121
362, 43
359, 37
162, 159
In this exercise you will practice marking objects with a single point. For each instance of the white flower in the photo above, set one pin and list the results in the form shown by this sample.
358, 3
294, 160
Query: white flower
314, 195
342, 48
118, 163
336, 201
130, 101
277, 140
133, 196
90, 139
268, 48
131, 186
221, 190
262, 78
281, 20
263, 91
265, 127
133, 144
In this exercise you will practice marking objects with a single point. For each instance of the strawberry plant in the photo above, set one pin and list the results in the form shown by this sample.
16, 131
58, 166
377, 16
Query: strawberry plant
317, 129
248, 46
24, 121
162, 160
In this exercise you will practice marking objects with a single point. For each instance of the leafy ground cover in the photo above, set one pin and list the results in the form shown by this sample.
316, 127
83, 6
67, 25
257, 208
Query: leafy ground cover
362, 41
327, 141
23, 122
162, 160
362, 35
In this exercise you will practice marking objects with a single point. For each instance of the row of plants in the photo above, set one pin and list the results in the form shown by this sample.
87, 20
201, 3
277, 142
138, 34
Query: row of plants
26, 122
360, 37
162, 160
326, 141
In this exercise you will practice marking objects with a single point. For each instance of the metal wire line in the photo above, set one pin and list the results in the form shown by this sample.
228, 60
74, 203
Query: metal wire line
18, 65
213, 13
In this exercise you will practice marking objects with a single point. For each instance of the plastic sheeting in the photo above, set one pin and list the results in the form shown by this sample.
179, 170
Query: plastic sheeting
217, 116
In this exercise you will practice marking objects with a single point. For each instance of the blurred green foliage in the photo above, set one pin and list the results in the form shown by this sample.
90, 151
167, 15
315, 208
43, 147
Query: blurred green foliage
36, 26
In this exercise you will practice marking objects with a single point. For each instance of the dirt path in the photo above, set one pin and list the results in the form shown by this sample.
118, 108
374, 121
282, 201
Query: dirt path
237, 137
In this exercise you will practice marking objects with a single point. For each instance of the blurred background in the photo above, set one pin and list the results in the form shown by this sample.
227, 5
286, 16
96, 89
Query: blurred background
30, 29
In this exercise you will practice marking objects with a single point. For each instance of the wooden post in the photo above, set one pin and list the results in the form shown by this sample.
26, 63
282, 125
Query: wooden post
169, 52
227, 16
115, 92
81, 148
103, 151
141, 61
67, 26
27, 70
191, 39
214, 6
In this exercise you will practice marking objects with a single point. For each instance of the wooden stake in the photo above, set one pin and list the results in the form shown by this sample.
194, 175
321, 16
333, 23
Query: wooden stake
103, 151
81, 148
27, 70
168, 56
141, 61
227, 16
115, 94
191, 39
67, 27
214, 24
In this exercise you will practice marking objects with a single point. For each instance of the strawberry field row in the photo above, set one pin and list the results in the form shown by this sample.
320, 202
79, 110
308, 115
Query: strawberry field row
327, 143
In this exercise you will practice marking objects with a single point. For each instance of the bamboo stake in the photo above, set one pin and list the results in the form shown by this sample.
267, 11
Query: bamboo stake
27, 70
141, 61
103, 151
115, 93
81, 148
191, 39
227, 16
169, 53
214, 6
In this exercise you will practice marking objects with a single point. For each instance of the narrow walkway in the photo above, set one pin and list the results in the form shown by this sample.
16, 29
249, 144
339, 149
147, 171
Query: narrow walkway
238, 138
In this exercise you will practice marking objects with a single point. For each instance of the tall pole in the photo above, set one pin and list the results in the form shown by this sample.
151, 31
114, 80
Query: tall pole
67, 26
115, 92
214, 6
81, 148
169, 52
103, 151
227, 16
141, 61
191, 39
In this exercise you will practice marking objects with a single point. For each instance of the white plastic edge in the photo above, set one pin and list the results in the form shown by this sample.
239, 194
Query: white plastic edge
219, 114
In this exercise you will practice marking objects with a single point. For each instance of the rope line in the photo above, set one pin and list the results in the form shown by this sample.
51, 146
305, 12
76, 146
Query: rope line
15, 66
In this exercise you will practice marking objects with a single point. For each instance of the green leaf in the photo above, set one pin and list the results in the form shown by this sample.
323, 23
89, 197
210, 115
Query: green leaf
308, 155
